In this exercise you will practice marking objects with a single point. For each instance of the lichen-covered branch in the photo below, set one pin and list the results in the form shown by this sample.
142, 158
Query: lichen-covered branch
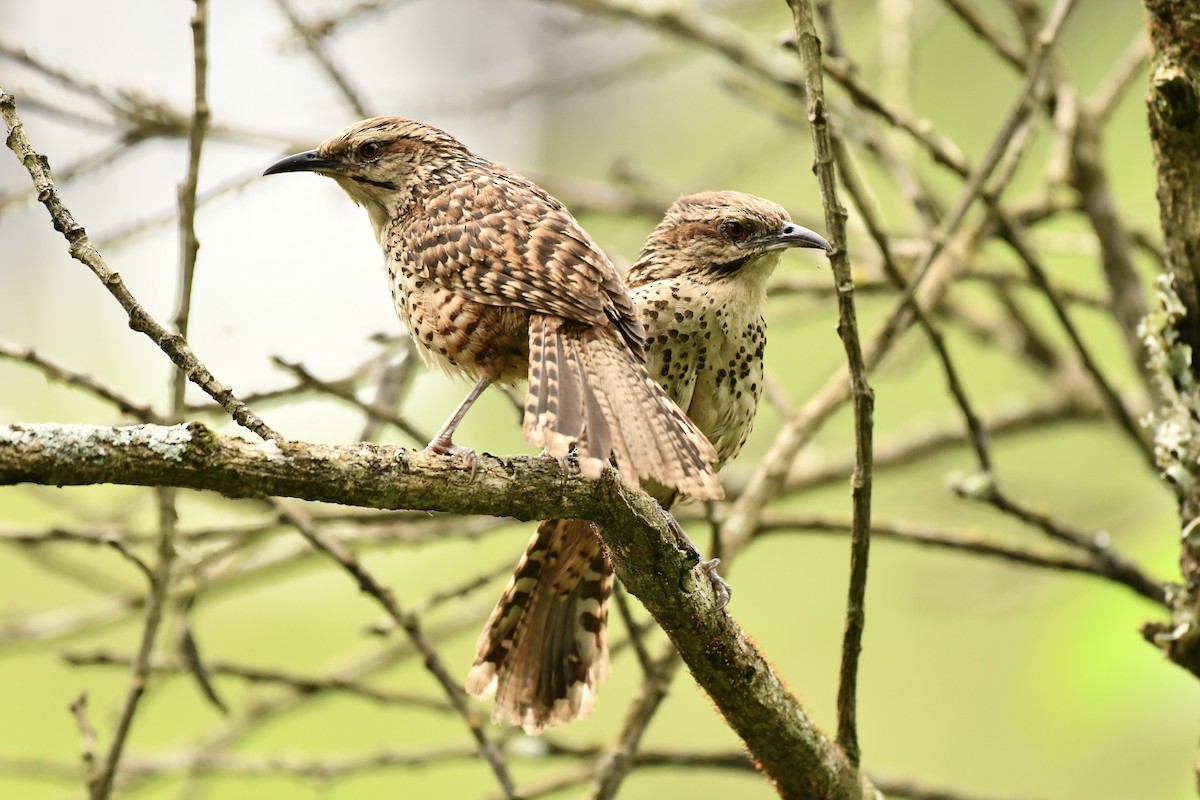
1173, 111
742, 683
82, 250
1172, 335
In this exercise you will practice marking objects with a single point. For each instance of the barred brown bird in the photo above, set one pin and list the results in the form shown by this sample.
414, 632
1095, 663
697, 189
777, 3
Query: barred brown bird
700, 285
494, 278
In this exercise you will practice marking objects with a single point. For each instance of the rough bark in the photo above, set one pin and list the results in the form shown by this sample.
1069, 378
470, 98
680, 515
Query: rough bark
1173, 111
787, 746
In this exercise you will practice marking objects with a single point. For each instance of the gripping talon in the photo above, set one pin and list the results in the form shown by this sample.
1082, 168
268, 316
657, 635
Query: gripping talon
443, 446
721, 588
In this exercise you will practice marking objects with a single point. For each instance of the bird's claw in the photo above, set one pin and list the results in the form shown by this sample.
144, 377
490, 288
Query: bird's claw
721, 588
445, 447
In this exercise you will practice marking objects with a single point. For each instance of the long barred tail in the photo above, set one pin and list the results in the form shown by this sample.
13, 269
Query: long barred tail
587, 386
545, 647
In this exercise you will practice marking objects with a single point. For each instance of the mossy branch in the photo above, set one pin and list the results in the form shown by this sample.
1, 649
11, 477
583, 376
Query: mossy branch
744, 686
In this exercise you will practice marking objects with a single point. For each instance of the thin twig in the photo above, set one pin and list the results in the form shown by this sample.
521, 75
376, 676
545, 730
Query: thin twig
1111, 563
301, 684
104, 157
100, 784
624, 608
82, 381
315, 46
933, 537
87, 733
1112, 400
189, 244
82, 249
982, 27
411, 626
290, 700
619, 761
374, 411
977, 434
1120, 79
326, 26
862, 397
392, 384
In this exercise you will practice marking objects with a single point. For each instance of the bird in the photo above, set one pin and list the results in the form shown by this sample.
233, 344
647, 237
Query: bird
495, 280
700, 287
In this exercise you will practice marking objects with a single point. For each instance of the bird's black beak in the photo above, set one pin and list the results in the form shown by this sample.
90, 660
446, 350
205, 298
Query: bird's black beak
308, 161
793, 235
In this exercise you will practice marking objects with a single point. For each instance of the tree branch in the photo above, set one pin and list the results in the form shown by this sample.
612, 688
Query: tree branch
745, 687
862, 397
82, 250
1173, 108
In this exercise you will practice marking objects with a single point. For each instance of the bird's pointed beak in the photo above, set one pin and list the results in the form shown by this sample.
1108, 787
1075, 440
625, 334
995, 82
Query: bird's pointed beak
793, 235
308, 161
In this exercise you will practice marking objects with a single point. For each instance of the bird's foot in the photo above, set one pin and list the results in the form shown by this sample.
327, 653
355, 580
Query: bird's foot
443, 446
721, 588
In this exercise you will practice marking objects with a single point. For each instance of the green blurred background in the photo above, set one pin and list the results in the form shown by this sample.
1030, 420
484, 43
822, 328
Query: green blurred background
976, 674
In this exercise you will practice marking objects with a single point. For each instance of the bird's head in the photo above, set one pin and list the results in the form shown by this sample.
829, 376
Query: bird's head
720, 236
380, 162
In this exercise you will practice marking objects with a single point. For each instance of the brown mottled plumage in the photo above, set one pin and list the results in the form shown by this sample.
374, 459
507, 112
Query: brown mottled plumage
495, 279
699, 285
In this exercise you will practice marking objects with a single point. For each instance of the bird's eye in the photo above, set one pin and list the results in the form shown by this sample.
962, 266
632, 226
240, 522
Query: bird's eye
370, 151
735, 230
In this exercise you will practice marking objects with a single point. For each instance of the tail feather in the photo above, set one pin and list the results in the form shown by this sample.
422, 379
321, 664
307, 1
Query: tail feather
661, 442
544, 649
544, 425
580, 375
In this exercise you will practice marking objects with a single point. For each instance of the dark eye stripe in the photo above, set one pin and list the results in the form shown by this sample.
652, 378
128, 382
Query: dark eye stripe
380, 184
729, 267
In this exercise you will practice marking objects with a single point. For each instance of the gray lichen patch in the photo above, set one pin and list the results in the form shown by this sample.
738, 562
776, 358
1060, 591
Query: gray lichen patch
93, 442
170, 443
16, 435
270, 450
1176, 424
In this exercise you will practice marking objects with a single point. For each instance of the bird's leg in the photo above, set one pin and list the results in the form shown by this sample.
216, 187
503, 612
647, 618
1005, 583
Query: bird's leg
443, 442
682, 541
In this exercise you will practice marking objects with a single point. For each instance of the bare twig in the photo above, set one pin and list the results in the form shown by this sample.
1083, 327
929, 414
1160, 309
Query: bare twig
411, 625
1119, 80
618, 762
625, 609
1110, 563
87, 383
82, 249
100, 783
862, 397
374, 411
976, 432
301, 684
983, 28
315, 45
87, 733
933, 537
